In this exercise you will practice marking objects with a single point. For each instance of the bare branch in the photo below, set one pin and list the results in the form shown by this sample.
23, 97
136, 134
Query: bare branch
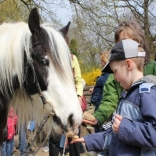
26, 4
1, 1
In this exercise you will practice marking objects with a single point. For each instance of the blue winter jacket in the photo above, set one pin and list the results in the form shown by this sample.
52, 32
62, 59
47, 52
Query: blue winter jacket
137, 131
98, 90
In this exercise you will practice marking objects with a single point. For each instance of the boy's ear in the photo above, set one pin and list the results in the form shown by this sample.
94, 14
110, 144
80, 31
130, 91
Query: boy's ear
129, 64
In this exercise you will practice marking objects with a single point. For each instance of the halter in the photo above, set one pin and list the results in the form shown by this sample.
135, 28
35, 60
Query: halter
47, 107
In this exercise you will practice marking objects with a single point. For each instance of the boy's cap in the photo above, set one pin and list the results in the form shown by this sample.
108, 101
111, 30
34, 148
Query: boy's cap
123, 50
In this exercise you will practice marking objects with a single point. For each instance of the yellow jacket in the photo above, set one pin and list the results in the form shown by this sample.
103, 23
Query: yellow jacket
77, 75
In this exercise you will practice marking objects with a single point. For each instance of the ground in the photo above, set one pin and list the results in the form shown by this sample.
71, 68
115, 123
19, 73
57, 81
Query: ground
41, 153
84, 130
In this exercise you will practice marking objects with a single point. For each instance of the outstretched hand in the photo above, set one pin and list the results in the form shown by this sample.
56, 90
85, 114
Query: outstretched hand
89, 119
88, 122
77, 140
116, 123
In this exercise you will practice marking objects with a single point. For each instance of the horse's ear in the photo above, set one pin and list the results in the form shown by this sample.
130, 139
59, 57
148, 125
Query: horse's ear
34, 20
65, 30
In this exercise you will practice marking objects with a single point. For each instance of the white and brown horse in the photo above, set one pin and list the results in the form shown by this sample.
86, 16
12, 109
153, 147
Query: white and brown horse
35, 58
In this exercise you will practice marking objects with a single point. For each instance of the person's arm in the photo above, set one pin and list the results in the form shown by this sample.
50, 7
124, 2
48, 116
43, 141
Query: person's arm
96, 141
111, 95
141, 133
77, 76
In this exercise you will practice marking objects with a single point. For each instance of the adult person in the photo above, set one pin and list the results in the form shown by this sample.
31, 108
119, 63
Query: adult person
8, 145
97, 91
112, 89
22, 139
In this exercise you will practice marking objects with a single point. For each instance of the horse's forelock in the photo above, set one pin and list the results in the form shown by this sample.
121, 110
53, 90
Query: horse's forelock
60, 52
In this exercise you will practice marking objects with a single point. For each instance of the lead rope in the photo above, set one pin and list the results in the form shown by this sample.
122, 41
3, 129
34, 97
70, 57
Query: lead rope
47, 137
37, 133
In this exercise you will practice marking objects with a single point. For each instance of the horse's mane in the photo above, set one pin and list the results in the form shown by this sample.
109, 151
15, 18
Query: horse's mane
60, 52
15, 38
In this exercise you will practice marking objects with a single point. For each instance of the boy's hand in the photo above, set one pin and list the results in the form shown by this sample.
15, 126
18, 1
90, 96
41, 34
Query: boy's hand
88, 122
116, 123
88, 118
77, 140
91, 90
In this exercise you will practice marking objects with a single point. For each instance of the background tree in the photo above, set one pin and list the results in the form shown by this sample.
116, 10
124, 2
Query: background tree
99, 19
93, 22
47, 9
13, 11
73, 47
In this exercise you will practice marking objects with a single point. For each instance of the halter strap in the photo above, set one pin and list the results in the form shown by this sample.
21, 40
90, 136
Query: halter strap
37, 84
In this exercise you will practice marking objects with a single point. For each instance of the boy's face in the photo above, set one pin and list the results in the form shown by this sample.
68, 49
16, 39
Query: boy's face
121, 73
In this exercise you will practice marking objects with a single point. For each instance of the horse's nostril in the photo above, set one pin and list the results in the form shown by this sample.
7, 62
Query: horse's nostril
57, 120
70, 119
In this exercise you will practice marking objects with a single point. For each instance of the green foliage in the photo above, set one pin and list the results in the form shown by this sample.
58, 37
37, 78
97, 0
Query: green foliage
90, 77
73, 47
13, 10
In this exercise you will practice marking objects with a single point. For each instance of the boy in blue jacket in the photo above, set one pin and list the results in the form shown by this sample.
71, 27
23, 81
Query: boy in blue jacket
134, 124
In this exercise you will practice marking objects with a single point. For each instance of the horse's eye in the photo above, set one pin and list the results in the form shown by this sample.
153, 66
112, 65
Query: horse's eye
44, 61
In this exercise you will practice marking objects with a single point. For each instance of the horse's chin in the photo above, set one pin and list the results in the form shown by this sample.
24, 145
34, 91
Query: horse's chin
72, 132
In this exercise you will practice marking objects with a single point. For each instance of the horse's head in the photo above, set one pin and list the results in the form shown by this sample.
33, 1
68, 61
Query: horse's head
51, 67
